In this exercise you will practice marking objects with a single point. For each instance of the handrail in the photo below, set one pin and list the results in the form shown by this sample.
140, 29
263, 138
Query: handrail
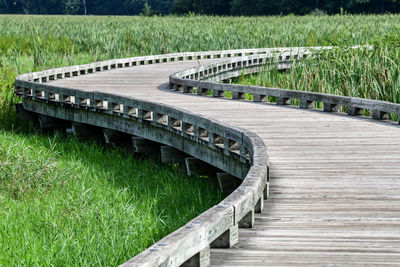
218, 226
188, 81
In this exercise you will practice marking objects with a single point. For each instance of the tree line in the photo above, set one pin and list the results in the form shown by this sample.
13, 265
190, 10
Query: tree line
207, 7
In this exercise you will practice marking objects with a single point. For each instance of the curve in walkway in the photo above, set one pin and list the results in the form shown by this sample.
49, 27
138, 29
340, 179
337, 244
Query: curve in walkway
334, 179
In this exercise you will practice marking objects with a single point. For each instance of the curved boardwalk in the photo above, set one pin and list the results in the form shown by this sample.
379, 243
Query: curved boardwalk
335, 180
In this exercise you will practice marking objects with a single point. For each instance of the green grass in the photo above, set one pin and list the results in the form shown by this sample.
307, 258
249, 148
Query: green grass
371, 74
36, 42
69, 202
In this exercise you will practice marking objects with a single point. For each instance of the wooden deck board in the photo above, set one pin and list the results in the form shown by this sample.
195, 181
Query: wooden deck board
335, 180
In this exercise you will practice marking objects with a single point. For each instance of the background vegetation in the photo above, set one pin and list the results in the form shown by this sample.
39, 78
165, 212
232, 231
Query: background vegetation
371, 74
209, 7
68, 202
64, 202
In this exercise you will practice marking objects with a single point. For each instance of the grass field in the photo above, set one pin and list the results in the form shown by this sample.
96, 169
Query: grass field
68, 202
372, 74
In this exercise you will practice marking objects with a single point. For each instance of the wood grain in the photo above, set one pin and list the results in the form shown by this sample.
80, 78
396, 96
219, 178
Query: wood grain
335, 180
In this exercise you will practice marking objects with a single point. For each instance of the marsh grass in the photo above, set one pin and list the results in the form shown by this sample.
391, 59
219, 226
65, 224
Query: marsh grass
68, 202
371, 74
65, 201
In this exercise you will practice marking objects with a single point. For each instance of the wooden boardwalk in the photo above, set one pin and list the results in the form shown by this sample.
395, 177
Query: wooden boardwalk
335, 180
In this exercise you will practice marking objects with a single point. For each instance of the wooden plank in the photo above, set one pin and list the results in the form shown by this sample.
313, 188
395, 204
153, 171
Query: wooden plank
335, 179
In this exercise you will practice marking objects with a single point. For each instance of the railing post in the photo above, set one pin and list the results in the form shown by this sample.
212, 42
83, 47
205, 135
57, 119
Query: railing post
228, 239
201, 259
258, 98
248, 220
282, 101
328, 107
352, 111
259, 207
305, 104
379, 115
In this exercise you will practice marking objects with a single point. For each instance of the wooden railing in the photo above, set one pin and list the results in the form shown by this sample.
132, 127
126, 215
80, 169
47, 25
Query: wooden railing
198, 136
218, 226
205, 80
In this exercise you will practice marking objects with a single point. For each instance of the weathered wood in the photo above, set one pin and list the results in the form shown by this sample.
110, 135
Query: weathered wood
144, 146
228, 239
248, 220
304, 103
328, 107
266, 189
352, 111
259, 207
24, 114
237, 95
196, 167
259, 98
47, 123
379, 115
282, 101
87, 131
172, 155
201, 259
326, 204
117, 138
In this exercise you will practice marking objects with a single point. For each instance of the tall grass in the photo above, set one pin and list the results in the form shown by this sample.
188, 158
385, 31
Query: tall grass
371, 74
68, 202
30, 43
36, 42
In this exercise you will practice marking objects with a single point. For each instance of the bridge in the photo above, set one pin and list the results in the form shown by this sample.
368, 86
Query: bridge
317, 186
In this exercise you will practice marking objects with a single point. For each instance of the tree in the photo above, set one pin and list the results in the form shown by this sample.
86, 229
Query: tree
210, 7
215, 7
146, 9
71, 7
84, 7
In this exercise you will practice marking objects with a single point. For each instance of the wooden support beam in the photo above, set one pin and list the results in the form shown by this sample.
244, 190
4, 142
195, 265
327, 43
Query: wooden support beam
202, 91
228, 239
196, 167
25, 115
144, 146
218, 93
201, 259
227, 182
305, 104
379, 115
330, 107
259, 98
117, 139
248, 220
170, 155
259, 207
50, 123
41, 123
355, 111
237, 95
188, 90
282, 101
87, 131
266, 189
